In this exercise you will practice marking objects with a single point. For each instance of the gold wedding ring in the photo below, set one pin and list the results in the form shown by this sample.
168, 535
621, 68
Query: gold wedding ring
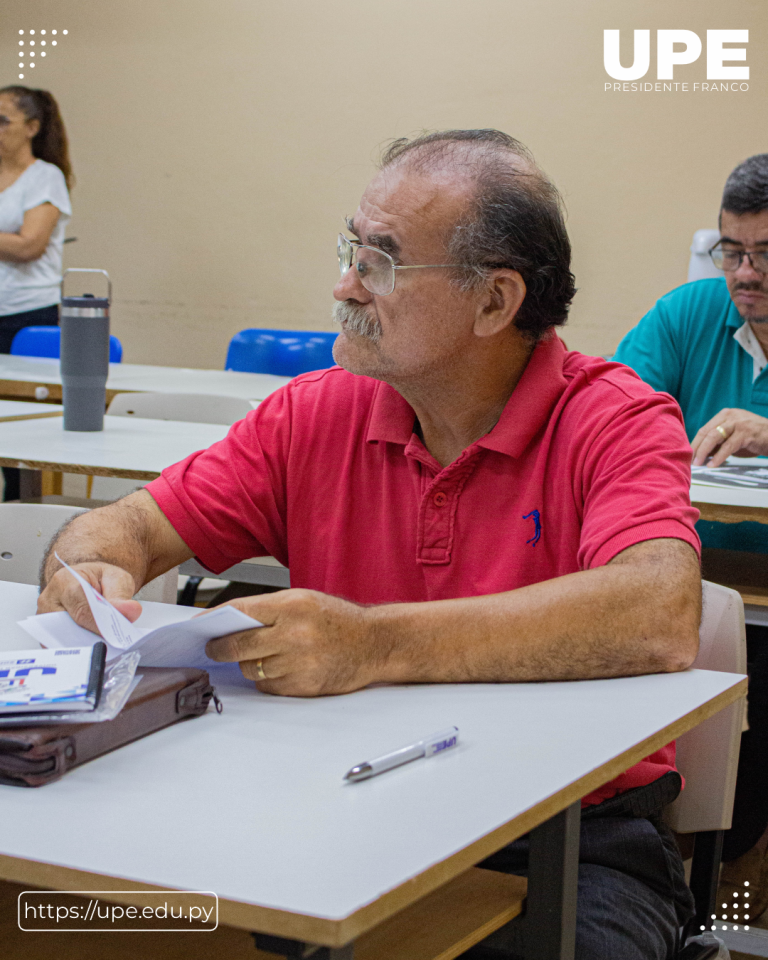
722, 432
260, 670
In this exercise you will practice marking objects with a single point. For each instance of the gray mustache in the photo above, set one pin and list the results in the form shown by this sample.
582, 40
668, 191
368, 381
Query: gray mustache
354, 318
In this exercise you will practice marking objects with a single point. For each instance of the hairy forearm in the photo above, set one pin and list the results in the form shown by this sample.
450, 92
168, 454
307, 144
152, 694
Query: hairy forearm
132, 534
15, 248
623, 619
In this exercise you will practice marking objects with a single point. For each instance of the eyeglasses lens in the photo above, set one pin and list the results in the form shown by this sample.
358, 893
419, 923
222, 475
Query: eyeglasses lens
729, 260
345, 252
373, 268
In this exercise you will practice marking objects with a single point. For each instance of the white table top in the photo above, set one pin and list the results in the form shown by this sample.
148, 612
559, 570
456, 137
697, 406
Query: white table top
251, 804
22, 410
144, 377
732, 504
730, 496
127, 447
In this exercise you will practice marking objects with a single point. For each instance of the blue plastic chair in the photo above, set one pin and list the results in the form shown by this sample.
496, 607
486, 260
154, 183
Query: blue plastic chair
46, 342
285, 353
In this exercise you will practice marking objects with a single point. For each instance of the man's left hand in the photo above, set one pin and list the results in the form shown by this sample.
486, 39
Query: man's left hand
730, 433
311, 644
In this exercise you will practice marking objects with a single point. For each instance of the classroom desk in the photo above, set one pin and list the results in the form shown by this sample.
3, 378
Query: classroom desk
39, 378
265, 571
251, 804
11, 410
128, 447
730, 504
742, 571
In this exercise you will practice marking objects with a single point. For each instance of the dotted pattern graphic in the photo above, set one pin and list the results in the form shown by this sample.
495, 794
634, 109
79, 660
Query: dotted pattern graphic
35, 44
739, 912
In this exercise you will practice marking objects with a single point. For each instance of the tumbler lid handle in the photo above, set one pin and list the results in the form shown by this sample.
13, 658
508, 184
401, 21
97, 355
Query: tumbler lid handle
88, 270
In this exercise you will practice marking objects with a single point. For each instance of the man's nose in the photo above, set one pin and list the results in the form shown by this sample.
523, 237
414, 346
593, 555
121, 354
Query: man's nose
746, 273
349, 287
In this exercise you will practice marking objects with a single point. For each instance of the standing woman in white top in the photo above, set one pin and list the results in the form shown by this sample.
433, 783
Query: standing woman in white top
35, 175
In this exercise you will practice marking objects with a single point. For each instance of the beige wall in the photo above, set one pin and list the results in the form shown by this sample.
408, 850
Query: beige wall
218, 144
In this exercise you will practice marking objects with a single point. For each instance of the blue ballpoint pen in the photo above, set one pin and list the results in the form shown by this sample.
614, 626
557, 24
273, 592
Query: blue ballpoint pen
427, 747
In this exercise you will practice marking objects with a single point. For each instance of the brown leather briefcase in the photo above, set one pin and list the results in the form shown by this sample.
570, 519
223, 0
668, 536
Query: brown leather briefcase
32, 756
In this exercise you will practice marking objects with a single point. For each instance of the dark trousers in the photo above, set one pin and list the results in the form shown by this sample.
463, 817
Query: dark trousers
632, 894
750, 806
11, 324
9, 327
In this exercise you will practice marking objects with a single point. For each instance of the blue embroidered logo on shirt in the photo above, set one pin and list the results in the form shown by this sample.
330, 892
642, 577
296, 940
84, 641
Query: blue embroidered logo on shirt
537, 527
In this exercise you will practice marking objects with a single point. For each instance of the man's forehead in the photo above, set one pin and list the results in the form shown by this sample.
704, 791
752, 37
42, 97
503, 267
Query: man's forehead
744, 228
400, 201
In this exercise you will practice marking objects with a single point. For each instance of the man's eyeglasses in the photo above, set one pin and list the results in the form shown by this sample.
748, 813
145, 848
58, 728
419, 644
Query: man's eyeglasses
729, 260
375, 269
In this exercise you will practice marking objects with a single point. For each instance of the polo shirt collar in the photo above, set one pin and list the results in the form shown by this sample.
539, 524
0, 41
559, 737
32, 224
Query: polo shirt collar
392, 417
531, 404
525, 413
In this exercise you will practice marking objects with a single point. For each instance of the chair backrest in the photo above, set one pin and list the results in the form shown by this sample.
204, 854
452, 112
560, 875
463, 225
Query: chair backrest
284, 353
708, 755
26, 529
700, 266
46, 342
189, 407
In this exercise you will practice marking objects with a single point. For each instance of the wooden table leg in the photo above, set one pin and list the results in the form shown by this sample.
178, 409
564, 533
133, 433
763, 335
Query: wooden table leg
51, 482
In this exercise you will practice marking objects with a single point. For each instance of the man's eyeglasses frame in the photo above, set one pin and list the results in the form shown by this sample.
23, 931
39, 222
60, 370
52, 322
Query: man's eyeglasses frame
347, 251
717, 256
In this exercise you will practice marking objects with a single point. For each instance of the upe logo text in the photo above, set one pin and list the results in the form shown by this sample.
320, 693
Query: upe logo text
677, 47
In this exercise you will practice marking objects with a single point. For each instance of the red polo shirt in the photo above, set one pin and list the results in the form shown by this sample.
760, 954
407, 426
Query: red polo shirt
328, 476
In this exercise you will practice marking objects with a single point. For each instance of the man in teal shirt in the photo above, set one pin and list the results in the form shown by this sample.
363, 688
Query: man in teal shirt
694, 344
706, 343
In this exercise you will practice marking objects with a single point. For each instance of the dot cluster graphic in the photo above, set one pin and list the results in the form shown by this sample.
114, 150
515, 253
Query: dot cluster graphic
739, 911
34, 47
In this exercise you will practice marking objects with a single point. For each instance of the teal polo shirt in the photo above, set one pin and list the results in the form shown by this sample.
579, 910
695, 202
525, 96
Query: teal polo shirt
684, 346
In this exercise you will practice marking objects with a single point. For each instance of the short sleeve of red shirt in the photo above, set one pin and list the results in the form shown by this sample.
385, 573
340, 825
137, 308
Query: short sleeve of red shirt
228, 502
634, 469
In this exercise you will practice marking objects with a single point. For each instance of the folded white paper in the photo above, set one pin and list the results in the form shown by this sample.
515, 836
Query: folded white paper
180, 643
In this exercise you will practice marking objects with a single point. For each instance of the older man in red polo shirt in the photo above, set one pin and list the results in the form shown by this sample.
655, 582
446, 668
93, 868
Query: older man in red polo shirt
460, 499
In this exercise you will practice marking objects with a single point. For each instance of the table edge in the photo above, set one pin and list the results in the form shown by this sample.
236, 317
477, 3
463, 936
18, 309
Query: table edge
83, 468
730, 513
30, 416
338, 932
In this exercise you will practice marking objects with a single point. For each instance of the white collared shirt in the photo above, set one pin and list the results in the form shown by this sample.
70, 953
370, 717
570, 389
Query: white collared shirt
745, 337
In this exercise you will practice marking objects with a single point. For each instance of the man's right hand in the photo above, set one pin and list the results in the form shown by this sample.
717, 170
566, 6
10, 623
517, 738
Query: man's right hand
63, 592
737, 433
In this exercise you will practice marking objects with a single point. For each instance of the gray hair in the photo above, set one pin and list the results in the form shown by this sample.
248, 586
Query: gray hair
515, 219
746, 189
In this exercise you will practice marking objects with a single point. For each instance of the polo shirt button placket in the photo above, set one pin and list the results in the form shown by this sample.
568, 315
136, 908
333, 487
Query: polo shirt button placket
437, 512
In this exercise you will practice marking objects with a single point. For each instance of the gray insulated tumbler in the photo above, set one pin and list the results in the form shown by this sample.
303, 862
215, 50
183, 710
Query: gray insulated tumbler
84, 359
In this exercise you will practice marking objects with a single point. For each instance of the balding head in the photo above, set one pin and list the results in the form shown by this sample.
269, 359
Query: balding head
512, 218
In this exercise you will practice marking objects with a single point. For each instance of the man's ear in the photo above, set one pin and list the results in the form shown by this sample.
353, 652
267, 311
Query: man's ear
499, 302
